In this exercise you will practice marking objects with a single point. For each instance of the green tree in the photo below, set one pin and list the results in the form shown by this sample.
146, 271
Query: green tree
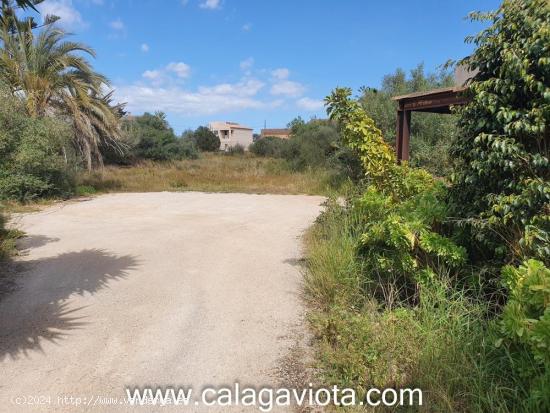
151, 137
51, 75
206, 140
501, 188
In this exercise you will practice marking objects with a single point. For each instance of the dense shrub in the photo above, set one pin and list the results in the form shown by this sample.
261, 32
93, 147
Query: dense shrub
35, 154
501, 181
206, 140
270, 146
150, 137
525, 326
444, 345
312, 145
500, 190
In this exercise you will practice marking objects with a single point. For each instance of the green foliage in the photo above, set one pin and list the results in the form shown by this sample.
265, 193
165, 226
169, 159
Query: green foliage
526, 316
360, 134
311, 145
443, 345
378, 159
431, 134
393, 308
151, 137
53, 77
270, 146
399, 244
315, 144
34, 154
206, 140
501, 188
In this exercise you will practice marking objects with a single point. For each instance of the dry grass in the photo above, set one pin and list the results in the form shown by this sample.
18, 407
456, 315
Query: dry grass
210, 173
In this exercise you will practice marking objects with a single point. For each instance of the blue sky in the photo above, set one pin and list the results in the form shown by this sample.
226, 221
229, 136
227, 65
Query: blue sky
257, 60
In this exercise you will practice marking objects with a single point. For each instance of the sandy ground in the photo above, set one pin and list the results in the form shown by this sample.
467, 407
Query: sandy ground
169, 289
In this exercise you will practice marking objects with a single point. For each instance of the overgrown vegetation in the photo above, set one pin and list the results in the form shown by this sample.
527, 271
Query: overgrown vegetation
447, 288
35, 154
316, 144
211, 172
7, 241
55, 113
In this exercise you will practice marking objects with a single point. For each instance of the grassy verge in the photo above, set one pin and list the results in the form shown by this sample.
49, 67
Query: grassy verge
444, 345
7, 238
210, 173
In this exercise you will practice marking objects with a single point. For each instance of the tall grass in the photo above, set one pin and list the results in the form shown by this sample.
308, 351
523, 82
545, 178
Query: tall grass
211, 173
8, 238
445, 345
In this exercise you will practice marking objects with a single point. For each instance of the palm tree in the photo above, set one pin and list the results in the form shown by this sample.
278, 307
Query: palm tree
53, 77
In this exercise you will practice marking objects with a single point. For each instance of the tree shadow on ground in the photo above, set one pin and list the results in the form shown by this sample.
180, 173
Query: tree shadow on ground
34, 241
38, 311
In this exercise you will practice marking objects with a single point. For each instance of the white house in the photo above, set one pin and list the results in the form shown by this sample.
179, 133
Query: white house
231, 134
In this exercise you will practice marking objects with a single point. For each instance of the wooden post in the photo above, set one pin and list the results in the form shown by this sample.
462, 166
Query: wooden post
406, 135
403, 135
399, 135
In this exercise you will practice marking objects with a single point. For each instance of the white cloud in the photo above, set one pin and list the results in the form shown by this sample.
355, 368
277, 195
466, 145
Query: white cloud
248, 87
162, 89
117, 24
210, 4
207, 100
281, 73
246, 27
70, 18
247, 64
152, 74
166, 74
144, 47
310, 104
287, 88
181, 69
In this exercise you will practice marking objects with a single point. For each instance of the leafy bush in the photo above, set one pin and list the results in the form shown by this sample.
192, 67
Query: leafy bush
35, 154
206, 140
399, 246
270, 146
311, 145
501, 182
526, 323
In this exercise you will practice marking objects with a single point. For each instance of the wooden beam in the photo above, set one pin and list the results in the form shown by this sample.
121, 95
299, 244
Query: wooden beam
442, 101
436, 101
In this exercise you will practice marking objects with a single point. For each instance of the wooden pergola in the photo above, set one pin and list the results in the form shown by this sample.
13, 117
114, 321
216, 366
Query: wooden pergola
435, 101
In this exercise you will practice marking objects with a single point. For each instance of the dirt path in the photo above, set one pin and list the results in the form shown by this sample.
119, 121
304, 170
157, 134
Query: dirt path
186, 289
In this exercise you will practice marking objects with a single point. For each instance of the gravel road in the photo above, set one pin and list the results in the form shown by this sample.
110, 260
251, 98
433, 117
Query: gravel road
168, 289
